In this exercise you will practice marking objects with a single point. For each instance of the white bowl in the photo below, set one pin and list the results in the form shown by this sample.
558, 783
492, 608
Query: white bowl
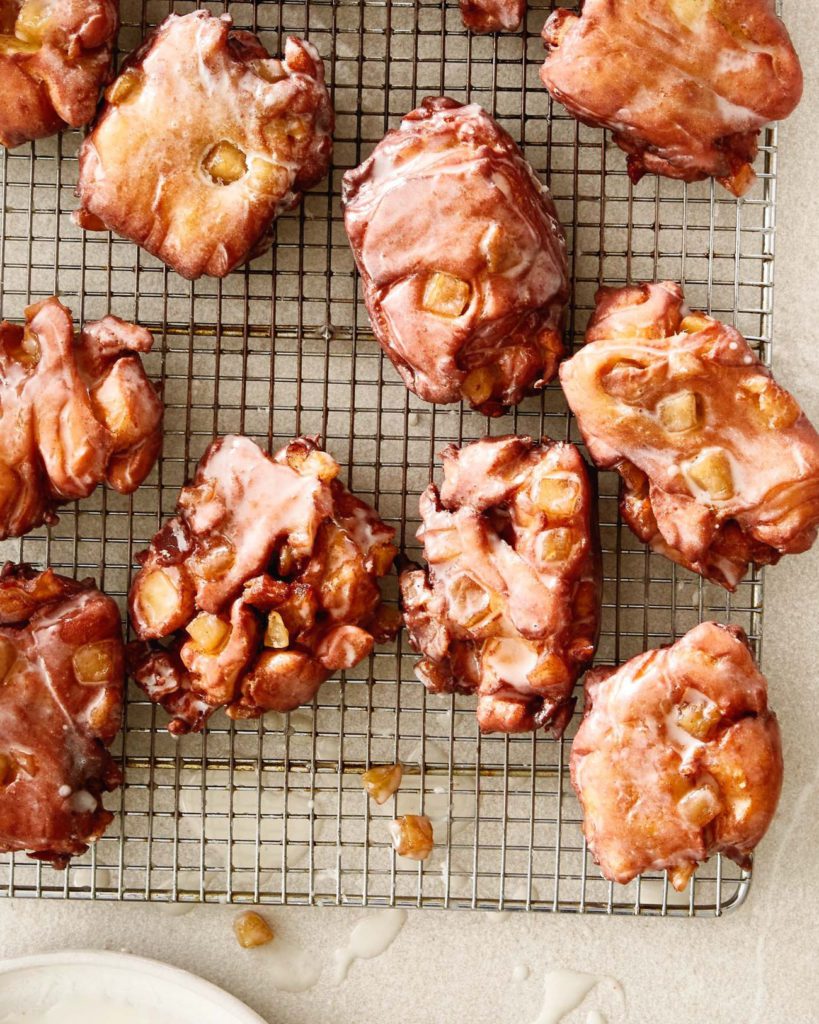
111, 988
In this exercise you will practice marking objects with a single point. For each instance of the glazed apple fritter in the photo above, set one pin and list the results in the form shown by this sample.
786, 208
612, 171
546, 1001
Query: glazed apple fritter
720, 466
678, 757
685, 86
55, 57
262, 585
462, 258
61, 688
74, 410
508, 607
203, 140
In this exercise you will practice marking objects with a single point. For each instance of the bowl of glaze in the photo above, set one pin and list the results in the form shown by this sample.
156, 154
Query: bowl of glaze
92, 987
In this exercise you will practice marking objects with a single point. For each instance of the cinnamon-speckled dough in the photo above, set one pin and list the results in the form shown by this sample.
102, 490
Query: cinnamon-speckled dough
684, 85
74, 410
678, 757
55, 56
720, 466
462, 258
204, 139
265, 583
61, 687
509, 605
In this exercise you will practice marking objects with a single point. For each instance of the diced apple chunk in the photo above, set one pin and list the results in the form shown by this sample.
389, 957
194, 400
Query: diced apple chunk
496, 250
777, 408
125, 87
479, 384
446, 295
695, 322
32, 21
11, 44
214, 560
382, 557
208, 632
557, 496
698, 718
711, 472
94, 664
551, 670
555, 545
412, 836
252, 930
275, 634
680, 412
225, 163
381, 782
27, 351
700, 806
158, 598
469, 603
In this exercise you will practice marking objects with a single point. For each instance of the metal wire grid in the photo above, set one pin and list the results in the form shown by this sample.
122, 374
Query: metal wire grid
273, 811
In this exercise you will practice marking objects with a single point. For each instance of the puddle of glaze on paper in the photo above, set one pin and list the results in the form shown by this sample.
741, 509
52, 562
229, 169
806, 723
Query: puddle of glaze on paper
564, 991
370, 937
289, 968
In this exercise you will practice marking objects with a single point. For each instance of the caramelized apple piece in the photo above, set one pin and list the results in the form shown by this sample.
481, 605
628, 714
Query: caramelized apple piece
446, 295
98, 663
558, 496
209, 632
698, 716
252, 930
700, 806
225, 163
275, 634
680, 412
159, 598
381, 782
412, 836
555, 545
711, 472
479, 384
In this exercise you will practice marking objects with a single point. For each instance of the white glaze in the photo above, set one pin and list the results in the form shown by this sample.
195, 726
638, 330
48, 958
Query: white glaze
563, 991
370, 937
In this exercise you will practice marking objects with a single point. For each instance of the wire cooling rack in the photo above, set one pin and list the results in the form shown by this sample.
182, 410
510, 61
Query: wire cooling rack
273, 811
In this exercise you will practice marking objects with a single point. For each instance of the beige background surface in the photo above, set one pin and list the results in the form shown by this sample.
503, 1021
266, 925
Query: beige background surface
757, 965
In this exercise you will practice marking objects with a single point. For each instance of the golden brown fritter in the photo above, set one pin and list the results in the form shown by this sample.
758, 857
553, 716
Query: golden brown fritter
55, 57
720, 466
462, 258
685, 86
204, 139
678, 757
265, 583
61, 688
74, 410
508, 607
